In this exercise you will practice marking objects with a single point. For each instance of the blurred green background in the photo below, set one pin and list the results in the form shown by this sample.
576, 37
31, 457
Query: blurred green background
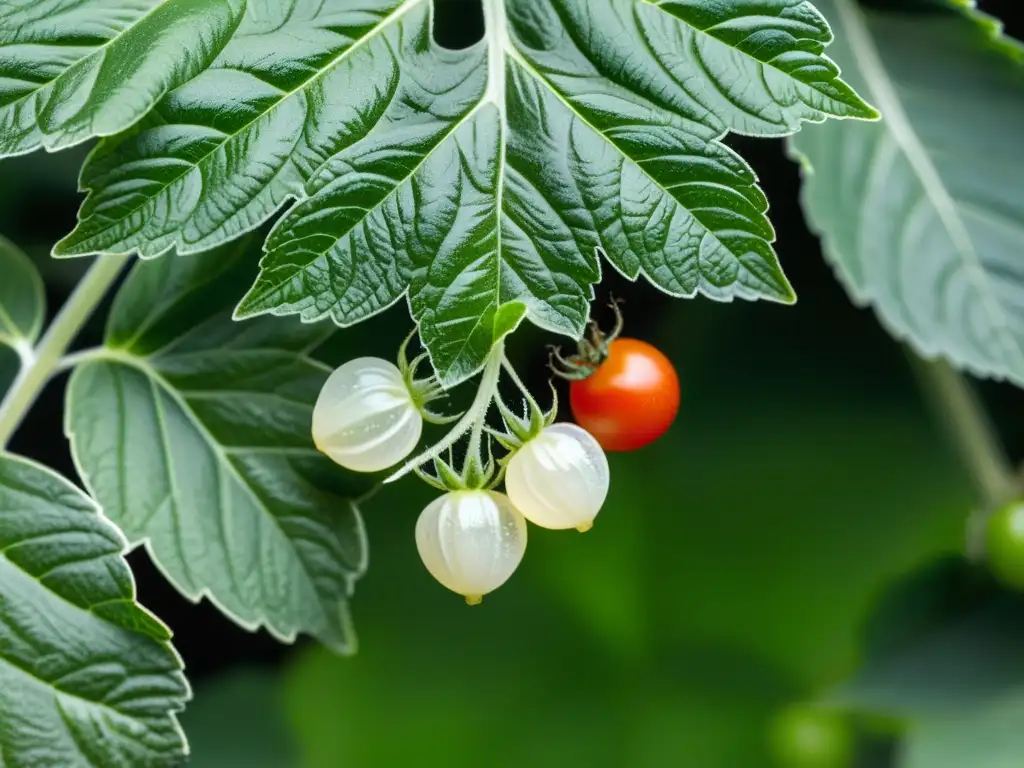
730, 574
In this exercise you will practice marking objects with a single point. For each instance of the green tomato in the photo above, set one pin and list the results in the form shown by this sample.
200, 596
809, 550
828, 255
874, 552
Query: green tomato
808, 737
1004, 544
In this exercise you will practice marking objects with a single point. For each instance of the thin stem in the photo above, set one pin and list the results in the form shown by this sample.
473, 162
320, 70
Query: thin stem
73, 359
62, 331
549, 416
475, 416
475, 437
25, 351
970, 431
517, 381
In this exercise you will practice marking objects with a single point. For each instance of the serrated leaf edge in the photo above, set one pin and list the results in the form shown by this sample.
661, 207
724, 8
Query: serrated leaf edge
791, 298
89, 497
350, 645
54, 147
497, 38
287, 201
897, 122
871, 114
498, 41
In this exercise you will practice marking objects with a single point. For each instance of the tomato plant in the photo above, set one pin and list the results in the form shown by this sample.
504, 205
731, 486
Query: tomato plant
264, 175
559, 478
625, 392
471, 541
630, 400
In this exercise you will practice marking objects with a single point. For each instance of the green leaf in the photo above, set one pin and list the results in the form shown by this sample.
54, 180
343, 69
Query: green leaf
921, 214
958, 686
921, 602
479, 183
193, 431
87, 676
991, 737
945, 671
22, 311
10, 364
22, 300
74, 69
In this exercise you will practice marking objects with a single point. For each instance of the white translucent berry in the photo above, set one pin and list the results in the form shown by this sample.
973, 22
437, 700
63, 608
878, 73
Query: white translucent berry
365, 418
559, 479
471, 541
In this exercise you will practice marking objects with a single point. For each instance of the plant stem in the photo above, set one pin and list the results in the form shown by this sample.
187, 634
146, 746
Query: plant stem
62, 331
473, 418
970, 431
74, 359
519, 383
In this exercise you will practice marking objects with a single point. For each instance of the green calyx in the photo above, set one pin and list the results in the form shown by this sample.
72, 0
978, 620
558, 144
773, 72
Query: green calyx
478, 473
591, 350
421, 391
480, 470
519, 430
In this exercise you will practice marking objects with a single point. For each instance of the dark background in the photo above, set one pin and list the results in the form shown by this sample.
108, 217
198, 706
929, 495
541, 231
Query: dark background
802, 455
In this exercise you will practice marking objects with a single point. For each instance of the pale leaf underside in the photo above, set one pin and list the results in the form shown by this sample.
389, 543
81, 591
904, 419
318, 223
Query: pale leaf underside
194, 433
476, 183
22, 298
922, 213
86, 675
957, 684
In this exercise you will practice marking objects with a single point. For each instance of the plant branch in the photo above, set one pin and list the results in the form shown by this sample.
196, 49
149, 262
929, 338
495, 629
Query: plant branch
474, 417
969, 429
74, 359
62, 331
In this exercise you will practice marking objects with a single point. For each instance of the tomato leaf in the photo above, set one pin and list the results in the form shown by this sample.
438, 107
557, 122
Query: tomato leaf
987, 738
481, 184
921, 213
74, 69
22, 310
193, 431
940, 671
87, 676
958, 685
22, 300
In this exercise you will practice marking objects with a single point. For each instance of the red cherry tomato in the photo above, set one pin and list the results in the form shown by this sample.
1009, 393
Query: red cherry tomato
630, 400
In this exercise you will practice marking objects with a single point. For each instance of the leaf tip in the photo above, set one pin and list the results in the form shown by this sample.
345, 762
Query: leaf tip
784, 293
507, 318
246, 309
65, 248
859, 109
868, 113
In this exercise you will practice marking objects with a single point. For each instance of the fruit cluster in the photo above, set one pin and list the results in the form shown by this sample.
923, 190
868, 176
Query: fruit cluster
370, 414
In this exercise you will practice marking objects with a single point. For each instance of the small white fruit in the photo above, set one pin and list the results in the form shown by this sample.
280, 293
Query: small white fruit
365, 419
559, 479
471, 541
